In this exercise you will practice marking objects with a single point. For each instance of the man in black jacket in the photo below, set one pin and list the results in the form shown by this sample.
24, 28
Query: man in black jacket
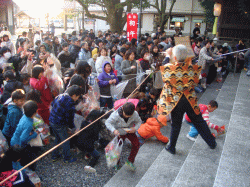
64, 56
75, 49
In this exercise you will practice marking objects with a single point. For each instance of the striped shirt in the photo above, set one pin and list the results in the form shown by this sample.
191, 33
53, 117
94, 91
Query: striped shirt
205, 114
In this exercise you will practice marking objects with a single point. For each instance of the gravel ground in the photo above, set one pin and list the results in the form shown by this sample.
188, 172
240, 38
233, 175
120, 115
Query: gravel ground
73, 174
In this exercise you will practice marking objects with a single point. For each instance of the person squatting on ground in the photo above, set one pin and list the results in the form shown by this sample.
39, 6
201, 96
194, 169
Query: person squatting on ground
151, 128
205, 110
124, 123
178, 96
86, 139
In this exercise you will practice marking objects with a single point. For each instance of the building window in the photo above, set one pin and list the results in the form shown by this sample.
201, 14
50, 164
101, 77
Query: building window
177, 22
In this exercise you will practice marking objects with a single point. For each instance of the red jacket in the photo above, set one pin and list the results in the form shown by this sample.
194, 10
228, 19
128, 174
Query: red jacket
42, 86
152, 128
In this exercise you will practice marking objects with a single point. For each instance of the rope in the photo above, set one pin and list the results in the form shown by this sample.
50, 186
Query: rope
58, 145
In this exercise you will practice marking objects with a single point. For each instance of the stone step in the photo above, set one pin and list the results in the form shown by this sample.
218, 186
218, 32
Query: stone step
145, 157
234, 165
200, 166
166, 167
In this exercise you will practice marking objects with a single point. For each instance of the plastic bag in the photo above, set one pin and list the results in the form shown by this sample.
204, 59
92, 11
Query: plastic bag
117, 90
113, 152
96, 90
55, 81
3, 144
42, 127
158, 82
36, 142
140, 75
90, 104
78, 119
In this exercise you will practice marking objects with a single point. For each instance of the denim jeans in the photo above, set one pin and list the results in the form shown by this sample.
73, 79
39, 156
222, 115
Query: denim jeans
193, 131
60, 132
108, 101
247, 62
95, 156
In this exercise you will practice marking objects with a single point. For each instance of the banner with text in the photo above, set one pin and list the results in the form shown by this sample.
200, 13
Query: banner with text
132, 20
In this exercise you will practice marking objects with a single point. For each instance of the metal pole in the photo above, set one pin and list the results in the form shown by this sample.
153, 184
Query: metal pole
235, 64
140, 19
83, 19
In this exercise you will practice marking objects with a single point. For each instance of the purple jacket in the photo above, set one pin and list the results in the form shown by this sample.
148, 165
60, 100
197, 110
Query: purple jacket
104, 79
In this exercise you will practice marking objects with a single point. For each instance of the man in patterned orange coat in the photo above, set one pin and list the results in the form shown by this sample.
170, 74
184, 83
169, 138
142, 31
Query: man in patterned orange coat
178, 96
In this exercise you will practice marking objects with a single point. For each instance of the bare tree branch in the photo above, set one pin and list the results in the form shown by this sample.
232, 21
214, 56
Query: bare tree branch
155, 6
85, 7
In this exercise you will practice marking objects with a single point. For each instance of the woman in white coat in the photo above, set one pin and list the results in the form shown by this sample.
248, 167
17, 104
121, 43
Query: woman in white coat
101, 59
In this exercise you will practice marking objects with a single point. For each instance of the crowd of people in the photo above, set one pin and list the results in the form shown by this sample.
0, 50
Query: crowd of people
48, 76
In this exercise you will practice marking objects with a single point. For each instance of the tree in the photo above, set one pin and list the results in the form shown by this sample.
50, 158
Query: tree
113, 10
244, 8
208, 5
161, 6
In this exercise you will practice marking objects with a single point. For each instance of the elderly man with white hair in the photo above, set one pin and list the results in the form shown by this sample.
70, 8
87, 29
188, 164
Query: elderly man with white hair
178, 96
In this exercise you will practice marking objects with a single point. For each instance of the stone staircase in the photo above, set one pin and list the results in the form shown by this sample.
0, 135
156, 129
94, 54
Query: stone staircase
194, 163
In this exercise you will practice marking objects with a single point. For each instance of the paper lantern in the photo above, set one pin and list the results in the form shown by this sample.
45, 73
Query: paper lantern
217, 9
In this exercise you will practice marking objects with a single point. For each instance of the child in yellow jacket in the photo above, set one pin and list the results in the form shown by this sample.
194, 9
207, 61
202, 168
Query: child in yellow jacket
152, 128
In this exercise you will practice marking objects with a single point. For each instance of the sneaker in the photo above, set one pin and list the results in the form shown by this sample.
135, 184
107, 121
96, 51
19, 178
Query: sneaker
87, 156
172, 151
130, 165
54, 159
191, 138
214, 135
89, 169
70, 160
213, 147
117, 167
222, 131
248, 73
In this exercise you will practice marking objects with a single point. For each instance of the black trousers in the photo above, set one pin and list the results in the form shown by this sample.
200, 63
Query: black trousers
199, 123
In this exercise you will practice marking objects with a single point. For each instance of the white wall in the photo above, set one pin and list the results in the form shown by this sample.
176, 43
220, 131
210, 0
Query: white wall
101, 25
147, 23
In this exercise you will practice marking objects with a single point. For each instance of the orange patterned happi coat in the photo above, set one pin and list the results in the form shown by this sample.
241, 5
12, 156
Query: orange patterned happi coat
179, 79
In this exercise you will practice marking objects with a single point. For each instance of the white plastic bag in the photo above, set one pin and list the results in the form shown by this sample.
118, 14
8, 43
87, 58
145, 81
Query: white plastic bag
113, 151
140, 75
36, 142
117, 90
3, 144
158, 82
96, 89
90, 104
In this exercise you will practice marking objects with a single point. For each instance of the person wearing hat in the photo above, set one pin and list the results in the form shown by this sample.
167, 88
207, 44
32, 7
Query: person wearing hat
75, 49
151, 128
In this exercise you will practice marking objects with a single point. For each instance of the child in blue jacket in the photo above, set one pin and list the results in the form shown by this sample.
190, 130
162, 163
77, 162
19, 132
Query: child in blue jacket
14, 114
106, 78
25, 132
